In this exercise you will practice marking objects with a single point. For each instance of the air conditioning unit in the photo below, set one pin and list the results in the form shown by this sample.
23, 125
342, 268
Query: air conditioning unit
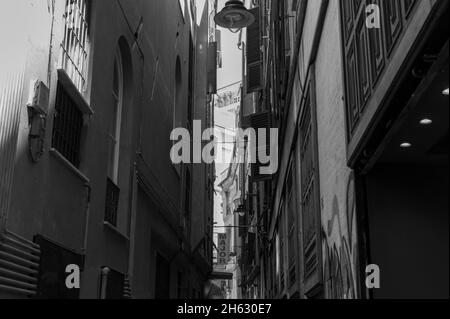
38, 99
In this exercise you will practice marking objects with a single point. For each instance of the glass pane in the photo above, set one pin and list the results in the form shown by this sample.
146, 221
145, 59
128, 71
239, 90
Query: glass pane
113, 123
116, 79
111, 158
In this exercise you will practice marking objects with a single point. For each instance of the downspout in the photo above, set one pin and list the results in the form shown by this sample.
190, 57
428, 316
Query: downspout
131, 249
104, 282
134, 191
87, 208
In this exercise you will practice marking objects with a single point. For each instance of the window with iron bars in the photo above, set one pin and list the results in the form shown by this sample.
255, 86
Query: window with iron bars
75, 43
112, 202
67, 127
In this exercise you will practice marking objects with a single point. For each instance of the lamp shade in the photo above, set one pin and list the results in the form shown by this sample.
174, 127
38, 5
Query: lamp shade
234, 16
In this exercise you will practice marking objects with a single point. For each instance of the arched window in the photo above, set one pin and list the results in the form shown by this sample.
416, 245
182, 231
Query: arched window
118, 125
116, 117
177, 101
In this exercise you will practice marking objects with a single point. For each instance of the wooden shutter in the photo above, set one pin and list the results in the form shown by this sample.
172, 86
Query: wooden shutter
242, 180
310, 193
291, 229
212, 68
376, 51
257, 121
242, 230
393, 21
367, 50
219, 48
254, 54
251, 247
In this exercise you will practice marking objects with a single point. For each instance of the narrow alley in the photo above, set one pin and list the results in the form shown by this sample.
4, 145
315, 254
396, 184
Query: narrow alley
217, 149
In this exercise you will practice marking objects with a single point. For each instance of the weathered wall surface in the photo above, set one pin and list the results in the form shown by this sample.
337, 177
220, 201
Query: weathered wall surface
339, 239
49, 197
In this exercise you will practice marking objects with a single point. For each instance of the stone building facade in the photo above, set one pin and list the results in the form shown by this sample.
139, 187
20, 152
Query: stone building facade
355, 138
86, 176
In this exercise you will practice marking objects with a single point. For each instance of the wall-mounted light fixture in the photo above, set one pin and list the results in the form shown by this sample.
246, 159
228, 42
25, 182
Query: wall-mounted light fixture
406, 145
426, 122
234, 16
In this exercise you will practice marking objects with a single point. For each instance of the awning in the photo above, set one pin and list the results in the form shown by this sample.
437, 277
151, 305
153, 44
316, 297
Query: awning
216, 275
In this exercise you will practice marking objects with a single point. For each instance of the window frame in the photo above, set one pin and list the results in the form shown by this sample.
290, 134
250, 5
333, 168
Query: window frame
75, 43
118, 104
310, 192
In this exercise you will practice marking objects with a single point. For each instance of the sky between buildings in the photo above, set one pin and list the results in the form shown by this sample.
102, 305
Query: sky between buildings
230, 73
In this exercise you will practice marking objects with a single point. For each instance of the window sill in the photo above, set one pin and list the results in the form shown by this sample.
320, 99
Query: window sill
115, 230
57, 155
72, 90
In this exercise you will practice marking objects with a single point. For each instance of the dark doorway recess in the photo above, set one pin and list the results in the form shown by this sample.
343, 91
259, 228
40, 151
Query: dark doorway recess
406, 183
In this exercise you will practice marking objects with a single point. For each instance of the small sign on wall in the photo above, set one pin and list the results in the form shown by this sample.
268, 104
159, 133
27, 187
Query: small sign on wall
224, 252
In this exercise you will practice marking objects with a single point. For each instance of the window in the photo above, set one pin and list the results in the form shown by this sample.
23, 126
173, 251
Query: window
281, 229
291, 229
75, 44
111, 203
187, 200
367, 51
277, 264
254, 54
67, 126
115, 123
70, 106
190, 114
178, 100
310, 191
112, 189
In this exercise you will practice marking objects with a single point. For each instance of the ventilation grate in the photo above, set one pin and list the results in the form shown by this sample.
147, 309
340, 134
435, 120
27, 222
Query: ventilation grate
19, 264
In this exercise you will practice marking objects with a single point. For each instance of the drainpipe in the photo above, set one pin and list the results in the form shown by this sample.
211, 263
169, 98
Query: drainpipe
132, 243
104, 282
87, 207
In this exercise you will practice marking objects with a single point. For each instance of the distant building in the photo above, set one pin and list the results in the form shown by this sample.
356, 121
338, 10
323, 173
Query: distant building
231, 199
229, 99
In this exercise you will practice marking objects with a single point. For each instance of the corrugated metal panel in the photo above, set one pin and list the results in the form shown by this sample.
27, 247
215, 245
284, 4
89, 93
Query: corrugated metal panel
11, 92
19, 265
12, 70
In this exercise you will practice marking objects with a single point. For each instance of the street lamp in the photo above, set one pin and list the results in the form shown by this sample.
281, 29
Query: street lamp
234, 16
